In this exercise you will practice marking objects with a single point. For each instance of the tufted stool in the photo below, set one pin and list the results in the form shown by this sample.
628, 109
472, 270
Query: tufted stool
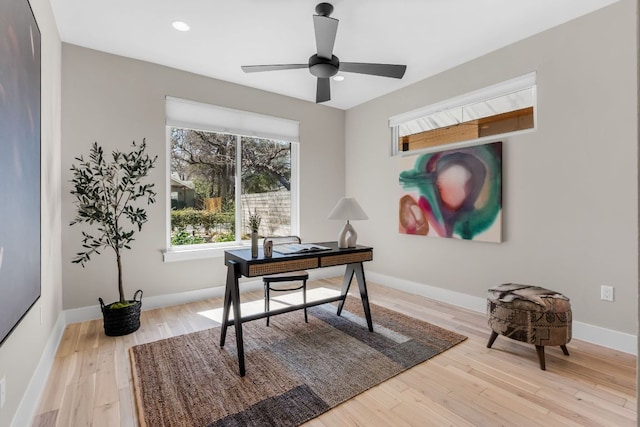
530, 314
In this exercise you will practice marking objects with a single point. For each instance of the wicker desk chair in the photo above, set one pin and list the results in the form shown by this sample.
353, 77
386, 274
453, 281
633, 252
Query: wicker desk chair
294, 276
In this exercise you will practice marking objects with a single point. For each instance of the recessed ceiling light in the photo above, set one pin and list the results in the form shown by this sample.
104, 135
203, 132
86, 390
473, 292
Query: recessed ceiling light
180, 26
338, 78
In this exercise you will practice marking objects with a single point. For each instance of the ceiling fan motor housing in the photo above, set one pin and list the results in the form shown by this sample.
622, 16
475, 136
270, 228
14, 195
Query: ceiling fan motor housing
323, 67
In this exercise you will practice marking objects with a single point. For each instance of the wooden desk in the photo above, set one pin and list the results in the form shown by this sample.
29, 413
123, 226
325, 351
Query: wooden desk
240, 263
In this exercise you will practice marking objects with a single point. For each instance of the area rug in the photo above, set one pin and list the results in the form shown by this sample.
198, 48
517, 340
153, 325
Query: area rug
295, 371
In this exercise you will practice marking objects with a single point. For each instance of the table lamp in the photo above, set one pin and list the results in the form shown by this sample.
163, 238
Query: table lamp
349, 209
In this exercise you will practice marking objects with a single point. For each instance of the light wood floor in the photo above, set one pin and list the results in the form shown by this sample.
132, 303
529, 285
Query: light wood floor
468, 385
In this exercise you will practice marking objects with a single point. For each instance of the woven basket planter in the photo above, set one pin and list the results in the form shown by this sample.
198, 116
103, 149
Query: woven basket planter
122, 321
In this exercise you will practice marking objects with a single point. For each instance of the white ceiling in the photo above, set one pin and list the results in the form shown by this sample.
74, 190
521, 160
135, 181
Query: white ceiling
429, 36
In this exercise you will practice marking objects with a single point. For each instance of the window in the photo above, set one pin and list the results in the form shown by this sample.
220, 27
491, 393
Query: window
497, 110
224, 165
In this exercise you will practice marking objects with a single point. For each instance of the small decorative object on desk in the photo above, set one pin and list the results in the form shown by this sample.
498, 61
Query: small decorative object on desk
268, 249
254, 224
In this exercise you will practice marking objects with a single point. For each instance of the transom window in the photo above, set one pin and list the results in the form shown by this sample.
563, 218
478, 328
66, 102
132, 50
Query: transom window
496, 110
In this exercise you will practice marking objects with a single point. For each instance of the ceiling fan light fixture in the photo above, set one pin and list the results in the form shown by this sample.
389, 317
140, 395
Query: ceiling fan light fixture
323, 67
181, 26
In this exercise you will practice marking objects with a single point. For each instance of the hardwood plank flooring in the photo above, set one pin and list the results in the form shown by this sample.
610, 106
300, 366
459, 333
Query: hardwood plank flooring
468, 385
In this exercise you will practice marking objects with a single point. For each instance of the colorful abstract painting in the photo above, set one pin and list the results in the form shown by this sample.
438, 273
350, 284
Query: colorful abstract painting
454, 194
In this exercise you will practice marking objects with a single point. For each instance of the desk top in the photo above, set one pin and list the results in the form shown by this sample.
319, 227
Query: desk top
282, 263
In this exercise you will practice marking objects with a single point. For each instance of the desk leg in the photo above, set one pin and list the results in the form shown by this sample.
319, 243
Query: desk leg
346, 283
231, 278
364, 295
358, 270
232, 297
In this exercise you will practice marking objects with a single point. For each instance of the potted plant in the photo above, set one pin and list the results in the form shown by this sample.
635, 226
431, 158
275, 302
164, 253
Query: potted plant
106, 193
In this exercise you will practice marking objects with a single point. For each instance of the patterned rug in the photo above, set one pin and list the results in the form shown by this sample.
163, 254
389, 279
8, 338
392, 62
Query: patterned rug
295, 371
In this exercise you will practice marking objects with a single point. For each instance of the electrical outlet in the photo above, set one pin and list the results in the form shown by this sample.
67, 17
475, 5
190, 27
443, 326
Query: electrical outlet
606, 293
3, 392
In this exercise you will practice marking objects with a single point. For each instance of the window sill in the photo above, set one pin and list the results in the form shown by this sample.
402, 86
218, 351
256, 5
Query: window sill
194, 253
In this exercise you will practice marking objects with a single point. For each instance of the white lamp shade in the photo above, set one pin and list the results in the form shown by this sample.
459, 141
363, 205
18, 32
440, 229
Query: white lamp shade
349, 209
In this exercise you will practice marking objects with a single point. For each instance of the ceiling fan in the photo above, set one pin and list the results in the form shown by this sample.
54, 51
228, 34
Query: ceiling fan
324, 64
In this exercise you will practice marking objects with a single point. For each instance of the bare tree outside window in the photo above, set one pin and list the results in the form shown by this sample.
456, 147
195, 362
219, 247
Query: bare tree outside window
203, 186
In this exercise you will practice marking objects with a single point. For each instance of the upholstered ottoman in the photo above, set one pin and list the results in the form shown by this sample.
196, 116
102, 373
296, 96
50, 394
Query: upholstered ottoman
530, 314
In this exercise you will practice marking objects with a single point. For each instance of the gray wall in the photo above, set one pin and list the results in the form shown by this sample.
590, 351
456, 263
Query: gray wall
570, 189
114, 100
21, 352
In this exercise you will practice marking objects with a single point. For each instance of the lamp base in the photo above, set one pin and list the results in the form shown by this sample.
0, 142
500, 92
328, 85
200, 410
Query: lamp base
347, 237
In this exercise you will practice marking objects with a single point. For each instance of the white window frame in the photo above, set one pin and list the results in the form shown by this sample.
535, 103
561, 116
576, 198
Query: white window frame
241, 123
500, 89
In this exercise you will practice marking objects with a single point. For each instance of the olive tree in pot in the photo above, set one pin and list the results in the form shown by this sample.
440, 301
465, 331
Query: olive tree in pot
106, 194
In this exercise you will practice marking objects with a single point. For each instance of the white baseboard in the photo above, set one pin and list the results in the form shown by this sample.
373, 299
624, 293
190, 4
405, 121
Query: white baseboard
82, 314
439, 294
617, 340
31, 398
610, 338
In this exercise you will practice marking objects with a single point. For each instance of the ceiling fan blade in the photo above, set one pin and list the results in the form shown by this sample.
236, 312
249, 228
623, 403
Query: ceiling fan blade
326, 29
384, 70
323, 91
276, 67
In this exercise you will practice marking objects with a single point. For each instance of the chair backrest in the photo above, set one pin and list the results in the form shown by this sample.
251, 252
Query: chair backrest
282, 240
